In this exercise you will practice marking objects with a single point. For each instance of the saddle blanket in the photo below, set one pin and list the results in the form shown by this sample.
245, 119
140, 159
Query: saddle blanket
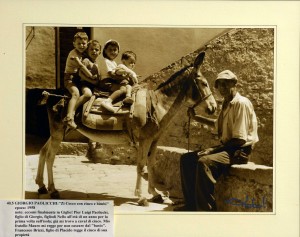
100, 119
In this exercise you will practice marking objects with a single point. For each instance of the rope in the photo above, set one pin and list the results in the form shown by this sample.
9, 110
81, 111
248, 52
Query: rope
189, 121
47, 94
188, 133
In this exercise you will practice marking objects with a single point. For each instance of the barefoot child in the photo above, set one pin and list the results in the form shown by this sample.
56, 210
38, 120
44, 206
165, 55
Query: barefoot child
89, 72
125, 69
74, 70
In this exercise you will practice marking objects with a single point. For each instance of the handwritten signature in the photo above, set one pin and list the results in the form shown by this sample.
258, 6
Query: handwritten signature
247, 203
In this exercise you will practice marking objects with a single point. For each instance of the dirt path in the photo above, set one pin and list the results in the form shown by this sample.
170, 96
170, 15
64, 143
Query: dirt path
77, 178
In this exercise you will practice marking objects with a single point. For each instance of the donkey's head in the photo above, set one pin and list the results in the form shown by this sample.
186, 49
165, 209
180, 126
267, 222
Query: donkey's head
200, 91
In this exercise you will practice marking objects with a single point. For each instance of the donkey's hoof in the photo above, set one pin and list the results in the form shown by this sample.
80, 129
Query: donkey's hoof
55, 195
42, 190
143, 202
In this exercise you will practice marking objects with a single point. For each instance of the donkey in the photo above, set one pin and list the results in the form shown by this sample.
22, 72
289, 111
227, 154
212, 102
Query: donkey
188, 85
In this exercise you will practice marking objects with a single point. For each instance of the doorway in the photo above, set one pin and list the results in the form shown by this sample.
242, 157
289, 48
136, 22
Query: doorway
64, 44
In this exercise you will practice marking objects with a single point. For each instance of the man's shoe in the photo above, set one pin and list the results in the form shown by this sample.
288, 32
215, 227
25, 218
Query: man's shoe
108, 106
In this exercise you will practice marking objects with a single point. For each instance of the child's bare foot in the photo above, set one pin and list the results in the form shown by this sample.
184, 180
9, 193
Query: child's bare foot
108, 106
128, 100
70, 122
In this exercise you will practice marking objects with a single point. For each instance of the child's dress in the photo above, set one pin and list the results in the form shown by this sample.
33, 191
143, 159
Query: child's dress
106, 66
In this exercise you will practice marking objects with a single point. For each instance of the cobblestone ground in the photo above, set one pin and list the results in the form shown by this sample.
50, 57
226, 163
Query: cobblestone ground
77, 178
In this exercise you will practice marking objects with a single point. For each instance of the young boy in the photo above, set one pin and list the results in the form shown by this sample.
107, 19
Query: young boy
71, 77
89, 72
126, 71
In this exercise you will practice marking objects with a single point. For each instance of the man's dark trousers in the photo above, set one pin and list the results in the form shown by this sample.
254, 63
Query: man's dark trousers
198, 177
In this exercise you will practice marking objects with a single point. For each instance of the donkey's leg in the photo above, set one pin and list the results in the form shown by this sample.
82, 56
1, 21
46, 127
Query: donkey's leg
53, 147
39, 180
47, 155
146, 154
159, 192
150, 166
142, 154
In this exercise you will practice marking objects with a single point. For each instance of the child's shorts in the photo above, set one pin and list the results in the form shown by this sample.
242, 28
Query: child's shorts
122, 81
109, 84
71, 79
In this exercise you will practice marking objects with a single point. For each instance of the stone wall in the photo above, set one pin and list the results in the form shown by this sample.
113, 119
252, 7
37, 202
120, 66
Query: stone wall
249, 53
40, 57
246, 188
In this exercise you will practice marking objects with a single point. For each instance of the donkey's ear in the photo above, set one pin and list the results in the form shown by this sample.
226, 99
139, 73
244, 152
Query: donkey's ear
199, 60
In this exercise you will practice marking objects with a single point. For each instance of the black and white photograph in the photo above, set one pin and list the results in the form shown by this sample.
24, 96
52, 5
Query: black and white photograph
172, 118
153, 118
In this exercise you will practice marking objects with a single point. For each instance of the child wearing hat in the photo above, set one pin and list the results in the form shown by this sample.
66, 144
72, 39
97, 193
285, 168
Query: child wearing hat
111, 78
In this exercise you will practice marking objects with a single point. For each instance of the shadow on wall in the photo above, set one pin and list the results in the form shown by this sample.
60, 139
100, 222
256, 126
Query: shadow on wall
156, 47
